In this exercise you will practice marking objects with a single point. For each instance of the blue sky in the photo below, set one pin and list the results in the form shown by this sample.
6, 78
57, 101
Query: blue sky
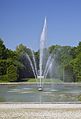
21, 21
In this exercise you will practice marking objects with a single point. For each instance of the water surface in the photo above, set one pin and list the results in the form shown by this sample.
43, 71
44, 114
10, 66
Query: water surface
51, 93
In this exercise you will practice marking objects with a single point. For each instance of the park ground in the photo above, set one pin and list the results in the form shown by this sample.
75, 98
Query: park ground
40, 111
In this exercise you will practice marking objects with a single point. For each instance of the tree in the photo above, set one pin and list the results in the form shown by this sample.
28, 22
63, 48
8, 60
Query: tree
11, 54
76, 64
2, 50
21, 49
22, 52
69, 75
12, 73
3, 67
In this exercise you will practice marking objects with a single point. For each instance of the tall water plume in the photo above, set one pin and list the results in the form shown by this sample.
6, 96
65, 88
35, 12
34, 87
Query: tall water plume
42, 48
47, 61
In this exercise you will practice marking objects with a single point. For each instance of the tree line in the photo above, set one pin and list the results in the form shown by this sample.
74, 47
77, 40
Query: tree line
14, 65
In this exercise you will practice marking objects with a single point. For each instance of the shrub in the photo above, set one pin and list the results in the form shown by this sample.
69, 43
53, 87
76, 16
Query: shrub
79, 78
4, 78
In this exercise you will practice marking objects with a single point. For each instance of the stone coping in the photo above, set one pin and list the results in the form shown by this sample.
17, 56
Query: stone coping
40, 106
21, 83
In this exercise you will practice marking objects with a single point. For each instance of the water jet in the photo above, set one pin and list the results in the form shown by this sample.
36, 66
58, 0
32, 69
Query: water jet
46, 60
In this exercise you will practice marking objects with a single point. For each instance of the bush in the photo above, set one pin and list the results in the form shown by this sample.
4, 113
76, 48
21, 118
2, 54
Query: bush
4, 78
79, 97
79, 78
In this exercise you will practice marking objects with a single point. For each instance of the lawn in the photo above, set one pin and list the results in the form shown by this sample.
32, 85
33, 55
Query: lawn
45, 80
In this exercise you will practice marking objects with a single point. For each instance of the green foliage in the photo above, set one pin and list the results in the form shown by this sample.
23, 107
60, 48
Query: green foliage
11, 54
26, 70
12, 73
2, 50
21, 49
73, 52
68, 73
54, 48
78, 78
76, 64
14, 65
65, 54
3, 66
4, 78
79, 97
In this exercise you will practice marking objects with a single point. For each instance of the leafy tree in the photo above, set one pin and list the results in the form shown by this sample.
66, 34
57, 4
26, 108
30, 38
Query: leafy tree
53, 48
12, 73
73, 52
11, 54
76, 63
3, 67
2, 50
26, 70
69, 75
21, 49
14, 65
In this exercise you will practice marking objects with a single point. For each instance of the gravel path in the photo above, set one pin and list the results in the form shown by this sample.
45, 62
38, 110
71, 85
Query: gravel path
40, 111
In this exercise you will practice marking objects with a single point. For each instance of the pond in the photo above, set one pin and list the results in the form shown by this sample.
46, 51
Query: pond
52, 93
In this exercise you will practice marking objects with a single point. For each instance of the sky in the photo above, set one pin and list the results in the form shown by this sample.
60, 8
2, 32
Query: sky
21, 21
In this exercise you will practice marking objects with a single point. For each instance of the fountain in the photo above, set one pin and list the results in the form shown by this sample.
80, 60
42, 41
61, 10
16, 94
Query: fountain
49, 93
45, 60
42, 55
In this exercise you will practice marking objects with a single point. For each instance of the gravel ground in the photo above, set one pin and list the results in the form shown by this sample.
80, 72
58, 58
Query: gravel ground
53, 111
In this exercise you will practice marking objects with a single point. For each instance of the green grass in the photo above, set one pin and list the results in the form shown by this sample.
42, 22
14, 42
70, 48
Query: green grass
53, 80
3, 81
31, 80
45, 80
